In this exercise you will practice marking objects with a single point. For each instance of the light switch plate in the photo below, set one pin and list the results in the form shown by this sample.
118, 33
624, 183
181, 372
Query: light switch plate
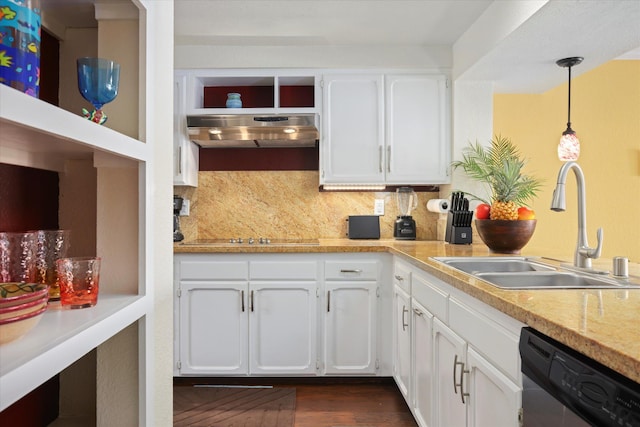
186, 205
378, 208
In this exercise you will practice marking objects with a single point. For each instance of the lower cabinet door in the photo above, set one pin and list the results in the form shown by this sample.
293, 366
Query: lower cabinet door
282, 327
350, 328
494, 399
213, 328
402, 341
422, 364
449, 366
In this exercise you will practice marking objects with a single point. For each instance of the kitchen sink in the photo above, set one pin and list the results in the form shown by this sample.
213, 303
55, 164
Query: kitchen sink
474, 265
531, 273
550, 280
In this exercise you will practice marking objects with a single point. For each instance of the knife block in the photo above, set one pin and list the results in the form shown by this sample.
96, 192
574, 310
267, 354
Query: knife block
455, 234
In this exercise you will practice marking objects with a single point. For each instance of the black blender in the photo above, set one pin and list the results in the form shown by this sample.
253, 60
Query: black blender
177, 207
405, 226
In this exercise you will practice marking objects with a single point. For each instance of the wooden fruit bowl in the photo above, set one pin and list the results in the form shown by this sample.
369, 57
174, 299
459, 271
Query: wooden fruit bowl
505, 237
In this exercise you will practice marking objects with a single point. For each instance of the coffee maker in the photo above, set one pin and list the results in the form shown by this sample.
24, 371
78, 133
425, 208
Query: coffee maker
177, 207
405, 226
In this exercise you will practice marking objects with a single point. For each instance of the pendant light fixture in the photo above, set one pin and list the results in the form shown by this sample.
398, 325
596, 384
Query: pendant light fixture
569, 145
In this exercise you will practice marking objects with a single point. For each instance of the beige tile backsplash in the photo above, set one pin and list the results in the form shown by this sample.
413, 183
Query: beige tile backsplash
285, 204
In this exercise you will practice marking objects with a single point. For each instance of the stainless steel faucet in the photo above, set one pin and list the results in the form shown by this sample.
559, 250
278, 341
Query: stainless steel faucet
584, 254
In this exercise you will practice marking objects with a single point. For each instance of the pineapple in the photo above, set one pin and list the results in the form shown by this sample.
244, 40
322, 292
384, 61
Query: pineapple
500, 167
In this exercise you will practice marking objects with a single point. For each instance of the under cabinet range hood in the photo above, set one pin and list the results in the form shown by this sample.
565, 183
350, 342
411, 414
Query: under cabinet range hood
253, 131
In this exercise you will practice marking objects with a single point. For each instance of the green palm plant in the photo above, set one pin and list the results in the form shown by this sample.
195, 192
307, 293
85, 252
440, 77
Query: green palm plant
499, 166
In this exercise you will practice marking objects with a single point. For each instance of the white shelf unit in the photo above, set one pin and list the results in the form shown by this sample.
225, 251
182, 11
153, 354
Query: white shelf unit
197, 80
39, 135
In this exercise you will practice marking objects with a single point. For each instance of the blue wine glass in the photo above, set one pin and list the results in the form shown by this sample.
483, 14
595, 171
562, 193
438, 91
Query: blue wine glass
98, 80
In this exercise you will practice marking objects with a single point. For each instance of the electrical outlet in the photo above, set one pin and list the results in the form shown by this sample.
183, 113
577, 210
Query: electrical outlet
378, 207
186, 205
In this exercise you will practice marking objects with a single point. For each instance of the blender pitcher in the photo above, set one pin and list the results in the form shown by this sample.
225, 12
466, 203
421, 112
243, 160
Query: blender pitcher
407, 200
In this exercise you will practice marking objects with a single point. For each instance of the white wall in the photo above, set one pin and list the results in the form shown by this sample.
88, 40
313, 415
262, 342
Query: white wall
201, 56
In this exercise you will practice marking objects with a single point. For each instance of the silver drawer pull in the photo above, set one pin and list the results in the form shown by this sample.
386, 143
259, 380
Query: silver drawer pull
404, 323
417, 312
399, 278
356, 270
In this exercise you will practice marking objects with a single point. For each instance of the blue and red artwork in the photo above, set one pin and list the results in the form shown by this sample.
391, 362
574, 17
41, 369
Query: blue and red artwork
20, 45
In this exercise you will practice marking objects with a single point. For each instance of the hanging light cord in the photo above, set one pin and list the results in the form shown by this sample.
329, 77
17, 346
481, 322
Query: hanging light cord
569, 102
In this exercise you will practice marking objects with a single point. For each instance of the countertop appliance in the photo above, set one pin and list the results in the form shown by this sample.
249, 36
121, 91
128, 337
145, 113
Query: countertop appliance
563, 388
405, 226
363, 227
177, 207
253, 130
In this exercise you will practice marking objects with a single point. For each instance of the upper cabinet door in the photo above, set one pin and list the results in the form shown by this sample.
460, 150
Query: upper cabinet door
185, 153
352, 143
417, 129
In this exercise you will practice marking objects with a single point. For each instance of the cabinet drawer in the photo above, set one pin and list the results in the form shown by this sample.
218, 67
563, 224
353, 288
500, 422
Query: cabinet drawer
433, 299
213, 270
294, 270
358, 270
402, 276
495, 342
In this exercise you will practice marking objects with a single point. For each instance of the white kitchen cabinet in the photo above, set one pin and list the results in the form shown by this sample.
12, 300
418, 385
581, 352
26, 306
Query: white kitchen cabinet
185, 152
449, 362
385, 129
464, 355
470, 390
350, 317
282, 327
417, 130
245, 315
213, 328
402, 330
212, 315
494, 399
422, 363
352, 137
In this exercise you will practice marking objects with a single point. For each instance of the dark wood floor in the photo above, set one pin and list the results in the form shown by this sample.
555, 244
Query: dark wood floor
343, 402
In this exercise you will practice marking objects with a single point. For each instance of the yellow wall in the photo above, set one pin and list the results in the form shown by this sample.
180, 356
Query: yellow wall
605, 113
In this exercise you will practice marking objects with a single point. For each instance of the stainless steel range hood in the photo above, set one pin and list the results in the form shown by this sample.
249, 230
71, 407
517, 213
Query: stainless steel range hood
253, 131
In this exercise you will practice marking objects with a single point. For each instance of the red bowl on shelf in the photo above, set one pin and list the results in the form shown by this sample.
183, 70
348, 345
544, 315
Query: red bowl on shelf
16, 293
505, 237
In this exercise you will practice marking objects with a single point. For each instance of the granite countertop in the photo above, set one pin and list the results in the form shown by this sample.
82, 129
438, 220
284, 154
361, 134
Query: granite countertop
602, 324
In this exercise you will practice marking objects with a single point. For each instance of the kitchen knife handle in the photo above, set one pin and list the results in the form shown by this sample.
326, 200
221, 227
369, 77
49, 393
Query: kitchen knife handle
242, 300
328, 301
251, 302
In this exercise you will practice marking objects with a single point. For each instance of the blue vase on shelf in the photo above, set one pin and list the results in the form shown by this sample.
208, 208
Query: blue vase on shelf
233, 100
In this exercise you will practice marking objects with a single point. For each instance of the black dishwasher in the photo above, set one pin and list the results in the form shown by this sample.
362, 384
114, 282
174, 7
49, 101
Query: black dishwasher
563, 388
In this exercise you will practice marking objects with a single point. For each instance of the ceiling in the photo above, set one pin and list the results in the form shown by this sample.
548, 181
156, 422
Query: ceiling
520, 58
326, 22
